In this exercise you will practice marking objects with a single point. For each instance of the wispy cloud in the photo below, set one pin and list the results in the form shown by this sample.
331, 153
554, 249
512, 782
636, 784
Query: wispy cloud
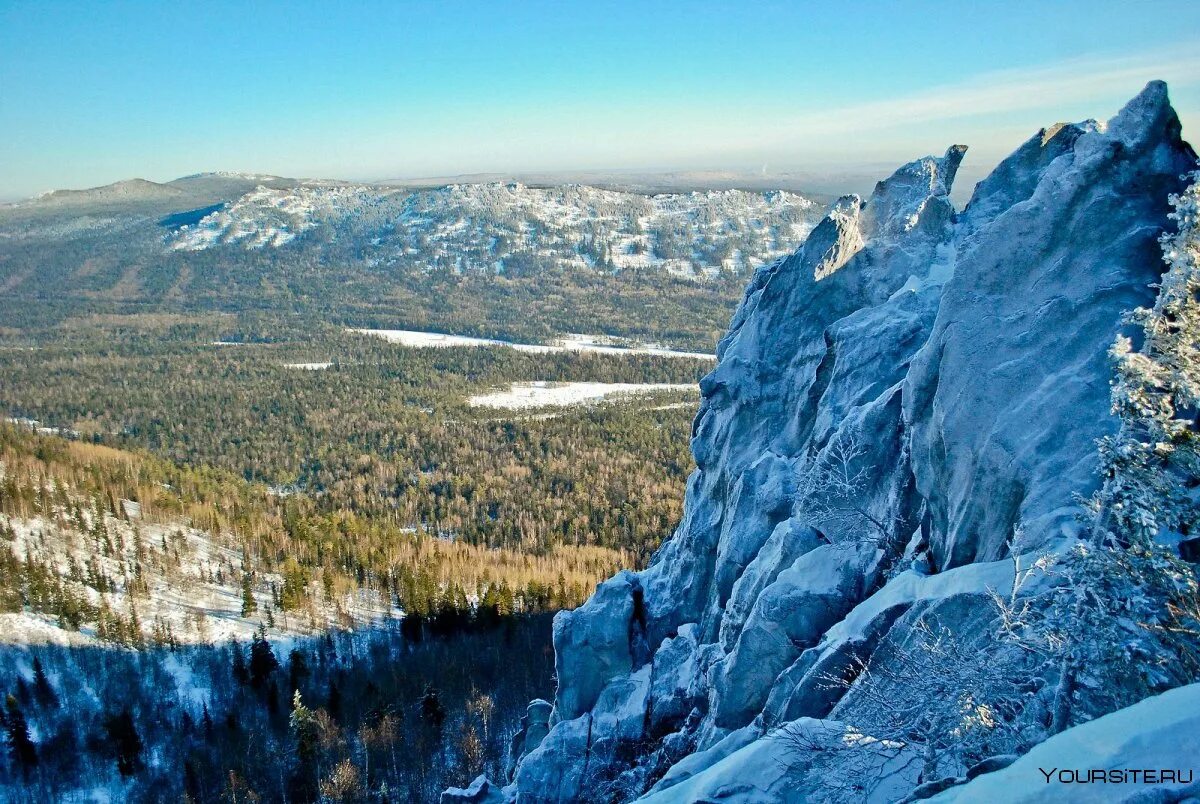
1055, 86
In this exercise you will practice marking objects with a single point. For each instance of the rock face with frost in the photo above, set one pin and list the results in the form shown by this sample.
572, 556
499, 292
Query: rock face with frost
896, 405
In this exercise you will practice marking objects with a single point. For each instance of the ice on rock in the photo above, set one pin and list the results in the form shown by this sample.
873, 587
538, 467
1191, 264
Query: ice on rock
913, 386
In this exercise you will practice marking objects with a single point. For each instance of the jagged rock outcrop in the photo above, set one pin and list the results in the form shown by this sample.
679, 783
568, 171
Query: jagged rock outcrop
896, 404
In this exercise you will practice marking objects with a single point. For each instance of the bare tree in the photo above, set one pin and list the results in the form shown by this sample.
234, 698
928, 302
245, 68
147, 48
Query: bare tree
833, 491
927, 704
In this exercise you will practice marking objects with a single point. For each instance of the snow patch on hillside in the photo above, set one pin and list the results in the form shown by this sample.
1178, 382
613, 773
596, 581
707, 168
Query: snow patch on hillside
180, 580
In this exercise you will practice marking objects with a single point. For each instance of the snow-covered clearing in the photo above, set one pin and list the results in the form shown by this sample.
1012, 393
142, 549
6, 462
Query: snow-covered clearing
309, 366
521, 395
602, 344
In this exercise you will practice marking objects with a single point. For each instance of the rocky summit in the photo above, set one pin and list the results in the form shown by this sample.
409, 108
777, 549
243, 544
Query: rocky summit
900, 407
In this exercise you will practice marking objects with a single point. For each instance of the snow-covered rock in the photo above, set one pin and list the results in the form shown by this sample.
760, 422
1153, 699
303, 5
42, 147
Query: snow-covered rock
788, 616
479, 791
1105, 760
1009, 394
894, 404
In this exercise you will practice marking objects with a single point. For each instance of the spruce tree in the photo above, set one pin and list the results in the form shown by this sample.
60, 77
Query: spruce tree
125, 742
249, 604
1152, 464
42, 688
305, 731
20, 745
433, 714
333, 703
297, 668
262, 659
240, 674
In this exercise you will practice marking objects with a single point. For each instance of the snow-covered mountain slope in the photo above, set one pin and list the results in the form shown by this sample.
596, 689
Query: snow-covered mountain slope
898, 405
179, 583
83, 566
512, 228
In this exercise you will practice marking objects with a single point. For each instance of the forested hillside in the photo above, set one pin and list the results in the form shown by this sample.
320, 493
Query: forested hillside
384, 433
158, 622
339, 717
489, 260
129, 549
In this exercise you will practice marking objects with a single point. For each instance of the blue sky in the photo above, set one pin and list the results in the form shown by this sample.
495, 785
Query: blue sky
95, 92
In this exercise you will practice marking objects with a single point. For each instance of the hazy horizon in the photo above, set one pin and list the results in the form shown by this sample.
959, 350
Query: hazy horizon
378, 93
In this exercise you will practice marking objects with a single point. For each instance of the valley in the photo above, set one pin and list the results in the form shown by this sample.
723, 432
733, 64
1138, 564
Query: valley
371, 509
599, 403
221, 452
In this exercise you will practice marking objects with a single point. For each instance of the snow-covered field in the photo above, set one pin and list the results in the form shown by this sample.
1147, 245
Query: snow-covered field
511, 228
571, 343
522, 395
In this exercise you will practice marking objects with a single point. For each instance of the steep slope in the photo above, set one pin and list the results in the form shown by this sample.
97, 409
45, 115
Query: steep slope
895, 406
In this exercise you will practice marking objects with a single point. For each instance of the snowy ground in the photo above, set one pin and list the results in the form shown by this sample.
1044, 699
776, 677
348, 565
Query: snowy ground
193, 579
523, 395
602, 344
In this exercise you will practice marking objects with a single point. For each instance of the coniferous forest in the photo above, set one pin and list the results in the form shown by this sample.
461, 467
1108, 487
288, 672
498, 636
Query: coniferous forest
384, 714
266, 582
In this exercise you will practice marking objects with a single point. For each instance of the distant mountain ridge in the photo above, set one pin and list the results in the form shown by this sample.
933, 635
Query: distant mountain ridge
505, 228
464, 228
127, 190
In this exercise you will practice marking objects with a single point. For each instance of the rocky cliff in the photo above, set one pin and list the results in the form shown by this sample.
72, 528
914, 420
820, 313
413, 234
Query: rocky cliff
898, 406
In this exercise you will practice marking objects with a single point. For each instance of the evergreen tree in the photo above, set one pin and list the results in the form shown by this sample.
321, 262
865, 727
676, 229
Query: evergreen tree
125, 742
240, 674
1151, 466
306, 732
191, 782
206, 722
333, 704
262, 659
42, 688
433, 714
249, 604
304, 728
297, 669
20, 745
